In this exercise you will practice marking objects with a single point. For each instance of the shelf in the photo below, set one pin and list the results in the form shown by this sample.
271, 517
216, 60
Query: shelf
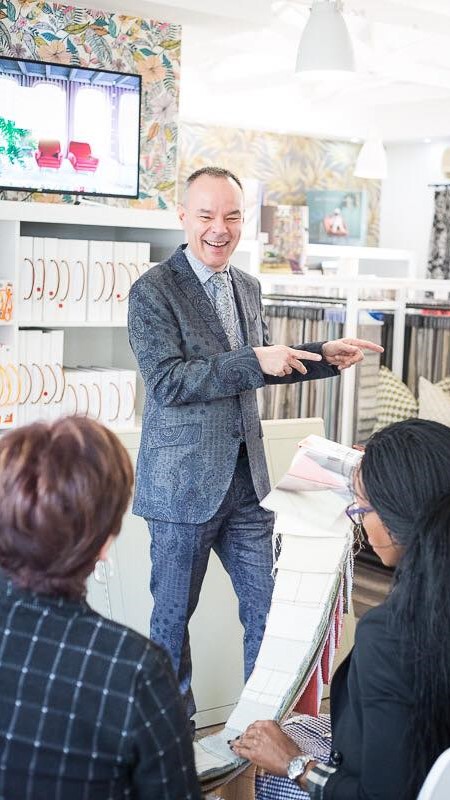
313, 279
378, 305
361, 253
44, 324
88, 214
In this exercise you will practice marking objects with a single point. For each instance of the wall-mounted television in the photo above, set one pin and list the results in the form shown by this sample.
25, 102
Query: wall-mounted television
68, 129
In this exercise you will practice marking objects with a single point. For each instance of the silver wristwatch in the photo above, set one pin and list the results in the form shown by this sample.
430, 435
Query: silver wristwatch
297, 766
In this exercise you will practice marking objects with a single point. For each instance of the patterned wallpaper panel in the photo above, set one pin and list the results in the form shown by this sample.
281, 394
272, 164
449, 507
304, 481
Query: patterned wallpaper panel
49, 31
287, 165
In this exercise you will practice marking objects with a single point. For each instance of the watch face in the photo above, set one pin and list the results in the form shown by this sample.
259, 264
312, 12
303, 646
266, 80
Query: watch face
297, 766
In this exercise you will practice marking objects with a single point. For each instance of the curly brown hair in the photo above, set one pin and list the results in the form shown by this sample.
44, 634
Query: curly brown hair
64, 488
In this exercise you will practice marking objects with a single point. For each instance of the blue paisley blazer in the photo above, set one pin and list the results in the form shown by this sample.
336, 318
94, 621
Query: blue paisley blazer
200, 395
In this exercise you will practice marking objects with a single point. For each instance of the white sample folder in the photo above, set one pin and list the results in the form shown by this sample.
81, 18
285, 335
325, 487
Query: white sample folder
73, 264
37, 298
101, 277
26, 278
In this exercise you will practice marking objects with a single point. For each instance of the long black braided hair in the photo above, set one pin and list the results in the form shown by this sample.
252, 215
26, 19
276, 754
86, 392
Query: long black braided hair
405, 474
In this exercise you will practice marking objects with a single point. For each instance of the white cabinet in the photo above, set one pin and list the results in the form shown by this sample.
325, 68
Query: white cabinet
120, 590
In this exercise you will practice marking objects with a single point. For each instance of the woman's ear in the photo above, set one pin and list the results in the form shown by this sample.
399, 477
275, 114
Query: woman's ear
103, 554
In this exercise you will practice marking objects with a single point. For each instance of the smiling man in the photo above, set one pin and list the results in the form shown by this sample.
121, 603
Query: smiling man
197, 329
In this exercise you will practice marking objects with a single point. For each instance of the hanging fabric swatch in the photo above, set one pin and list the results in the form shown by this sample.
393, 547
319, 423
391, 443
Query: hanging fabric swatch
439, 258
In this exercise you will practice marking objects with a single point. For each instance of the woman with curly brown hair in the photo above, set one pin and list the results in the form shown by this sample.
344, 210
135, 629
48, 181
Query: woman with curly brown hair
88, 708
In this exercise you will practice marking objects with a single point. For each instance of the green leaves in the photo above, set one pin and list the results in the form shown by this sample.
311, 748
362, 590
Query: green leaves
14, 141
75, 27
11, 11
171, 44
112, 28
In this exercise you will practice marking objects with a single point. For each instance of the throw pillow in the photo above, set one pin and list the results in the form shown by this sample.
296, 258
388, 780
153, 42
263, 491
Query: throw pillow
434, 402
444, 384
395, 401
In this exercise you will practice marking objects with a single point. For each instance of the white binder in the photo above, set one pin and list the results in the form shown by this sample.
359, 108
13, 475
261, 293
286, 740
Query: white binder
74, 262
26, 277
125, 275
101, 278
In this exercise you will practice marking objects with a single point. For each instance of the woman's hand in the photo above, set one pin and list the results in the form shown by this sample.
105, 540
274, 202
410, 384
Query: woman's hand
265, 744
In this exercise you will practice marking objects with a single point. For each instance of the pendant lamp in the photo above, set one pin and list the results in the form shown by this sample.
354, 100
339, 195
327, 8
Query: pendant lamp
371, 161
325, 45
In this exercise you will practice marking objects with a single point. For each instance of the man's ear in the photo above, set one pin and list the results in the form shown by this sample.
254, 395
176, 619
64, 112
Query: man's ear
181, 211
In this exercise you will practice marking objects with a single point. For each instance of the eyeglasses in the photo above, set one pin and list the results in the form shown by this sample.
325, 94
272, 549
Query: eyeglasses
356, 513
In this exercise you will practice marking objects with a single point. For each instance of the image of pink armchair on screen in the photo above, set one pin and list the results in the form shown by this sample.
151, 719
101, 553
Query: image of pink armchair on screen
81, 158
49, 153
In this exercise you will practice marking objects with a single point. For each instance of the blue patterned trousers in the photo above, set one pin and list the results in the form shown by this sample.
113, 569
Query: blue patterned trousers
241, 534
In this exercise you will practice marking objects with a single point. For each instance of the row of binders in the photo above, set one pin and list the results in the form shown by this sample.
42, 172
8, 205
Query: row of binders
72, 280
37, 386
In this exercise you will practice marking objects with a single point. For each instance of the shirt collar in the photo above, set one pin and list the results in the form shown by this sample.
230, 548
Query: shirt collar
11, 593
202, 272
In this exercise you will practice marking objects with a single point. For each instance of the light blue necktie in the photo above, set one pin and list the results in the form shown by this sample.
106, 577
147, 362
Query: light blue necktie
223, 305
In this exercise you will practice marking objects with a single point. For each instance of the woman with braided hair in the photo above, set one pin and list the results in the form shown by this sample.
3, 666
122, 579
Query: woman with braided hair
390, 699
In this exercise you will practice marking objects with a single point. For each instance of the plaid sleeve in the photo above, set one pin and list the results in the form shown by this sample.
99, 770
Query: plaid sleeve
160, 732
316, 780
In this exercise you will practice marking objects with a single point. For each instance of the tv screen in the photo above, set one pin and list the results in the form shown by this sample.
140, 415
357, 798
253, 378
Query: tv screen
68, 129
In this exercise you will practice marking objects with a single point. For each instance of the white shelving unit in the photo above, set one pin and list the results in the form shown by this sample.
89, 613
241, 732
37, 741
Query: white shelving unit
352, 260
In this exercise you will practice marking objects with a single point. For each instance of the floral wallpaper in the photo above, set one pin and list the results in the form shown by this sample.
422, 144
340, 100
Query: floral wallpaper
49, 31
287, 165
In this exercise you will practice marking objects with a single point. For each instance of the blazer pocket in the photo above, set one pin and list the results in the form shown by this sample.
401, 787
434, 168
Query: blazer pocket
172, 435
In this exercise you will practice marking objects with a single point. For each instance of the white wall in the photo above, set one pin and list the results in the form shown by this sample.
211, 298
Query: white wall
407, 200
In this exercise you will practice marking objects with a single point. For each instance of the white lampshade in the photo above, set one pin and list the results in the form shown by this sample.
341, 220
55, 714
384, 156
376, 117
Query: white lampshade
325, 44
371, 161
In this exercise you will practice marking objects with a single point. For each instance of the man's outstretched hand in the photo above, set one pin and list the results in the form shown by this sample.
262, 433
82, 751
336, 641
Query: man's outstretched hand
343, 353
279, 360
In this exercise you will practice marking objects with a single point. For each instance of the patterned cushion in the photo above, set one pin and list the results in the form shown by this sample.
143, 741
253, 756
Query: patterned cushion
395, 402
434, 401
444, 384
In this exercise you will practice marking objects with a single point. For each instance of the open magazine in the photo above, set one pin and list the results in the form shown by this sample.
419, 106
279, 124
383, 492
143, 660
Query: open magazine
313, 573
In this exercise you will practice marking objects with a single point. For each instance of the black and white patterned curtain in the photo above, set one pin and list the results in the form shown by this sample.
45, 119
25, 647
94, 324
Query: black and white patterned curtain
439, 259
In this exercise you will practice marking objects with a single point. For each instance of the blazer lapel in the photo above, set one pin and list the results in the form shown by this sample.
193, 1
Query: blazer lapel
191, 287
242, 301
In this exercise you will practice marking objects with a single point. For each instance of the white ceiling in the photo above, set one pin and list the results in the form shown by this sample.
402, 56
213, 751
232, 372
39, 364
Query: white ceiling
238, 61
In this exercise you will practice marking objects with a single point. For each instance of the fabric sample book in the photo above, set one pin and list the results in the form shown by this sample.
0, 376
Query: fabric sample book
312, 590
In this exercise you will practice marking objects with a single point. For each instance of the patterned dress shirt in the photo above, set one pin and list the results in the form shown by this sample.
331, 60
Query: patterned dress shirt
89, 710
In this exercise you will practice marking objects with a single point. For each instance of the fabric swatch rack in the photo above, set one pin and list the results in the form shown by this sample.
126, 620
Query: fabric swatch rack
439, 257
427, 347
427, 342
293, 320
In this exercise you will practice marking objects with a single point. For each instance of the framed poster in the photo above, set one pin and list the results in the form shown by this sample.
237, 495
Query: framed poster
287, 230
337, 217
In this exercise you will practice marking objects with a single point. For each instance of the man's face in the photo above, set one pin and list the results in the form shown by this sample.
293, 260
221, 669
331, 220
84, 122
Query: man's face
212, 216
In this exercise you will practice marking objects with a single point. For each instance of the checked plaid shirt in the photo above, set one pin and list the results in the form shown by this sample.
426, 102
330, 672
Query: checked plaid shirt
89, 710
